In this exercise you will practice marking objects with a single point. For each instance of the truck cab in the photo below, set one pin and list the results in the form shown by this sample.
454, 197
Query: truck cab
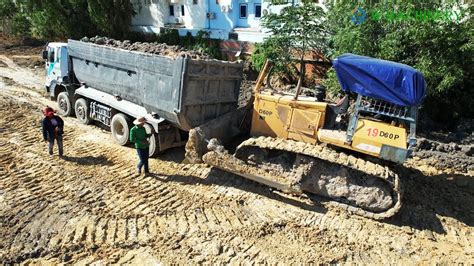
57, 67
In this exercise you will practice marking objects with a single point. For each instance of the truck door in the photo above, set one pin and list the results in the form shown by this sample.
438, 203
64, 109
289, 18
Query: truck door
49, 59
56, 64
63, 66
50, 64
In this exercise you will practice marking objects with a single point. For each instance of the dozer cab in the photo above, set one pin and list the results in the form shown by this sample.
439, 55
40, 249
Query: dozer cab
300, 144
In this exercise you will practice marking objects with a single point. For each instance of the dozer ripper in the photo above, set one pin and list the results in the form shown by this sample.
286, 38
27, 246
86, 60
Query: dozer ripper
303, 145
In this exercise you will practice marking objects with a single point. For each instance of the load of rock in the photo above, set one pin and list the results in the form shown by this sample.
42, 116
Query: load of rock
148, 47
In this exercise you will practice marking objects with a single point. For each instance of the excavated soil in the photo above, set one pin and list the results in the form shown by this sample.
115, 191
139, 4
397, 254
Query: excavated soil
89, 207
24, 52
148, 47
447, 154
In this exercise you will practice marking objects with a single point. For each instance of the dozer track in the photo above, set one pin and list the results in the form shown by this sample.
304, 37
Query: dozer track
356, 185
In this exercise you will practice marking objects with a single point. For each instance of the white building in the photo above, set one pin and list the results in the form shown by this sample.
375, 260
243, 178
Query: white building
223, 19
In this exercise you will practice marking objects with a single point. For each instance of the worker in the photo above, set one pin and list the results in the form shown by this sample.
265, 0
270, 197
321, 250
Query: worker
53, 128
139, 136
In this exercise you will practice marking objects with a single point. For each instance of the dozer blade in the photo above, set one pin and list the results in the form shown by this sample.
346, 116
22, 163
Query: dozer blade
358, 186
224, 128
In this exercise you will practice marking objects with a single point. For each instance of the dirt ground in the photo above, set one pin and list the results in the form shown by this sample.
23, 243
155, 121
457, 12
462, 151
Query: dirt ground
90, 208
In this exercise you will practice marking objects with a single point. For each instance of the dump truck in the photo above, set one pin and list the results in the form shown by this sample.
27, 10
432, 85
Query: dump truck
113, 86
303, 145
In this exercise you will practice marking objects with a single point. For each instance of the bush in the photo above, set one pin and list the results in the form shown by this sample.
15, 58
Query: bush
169, 36
262, 52
203, 43
441, 49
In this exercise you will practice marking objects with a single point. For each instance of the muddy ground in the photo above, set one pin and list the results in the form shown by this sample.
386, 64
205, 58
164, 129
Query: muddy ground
89, 207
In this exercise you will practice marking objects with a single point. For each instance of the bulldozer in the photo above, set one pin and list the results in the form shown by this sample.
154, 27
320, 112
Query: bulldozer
342, 151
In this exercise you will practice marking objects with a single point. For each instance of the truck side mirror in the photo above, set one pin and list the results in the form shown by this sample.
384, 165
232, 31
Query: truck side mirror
45, 54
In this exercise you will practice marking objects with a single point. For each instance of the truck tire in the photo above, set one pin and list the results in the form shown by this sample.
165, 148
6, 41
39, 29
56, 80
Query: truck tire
120, 128
81, 109
64, 104
154, 148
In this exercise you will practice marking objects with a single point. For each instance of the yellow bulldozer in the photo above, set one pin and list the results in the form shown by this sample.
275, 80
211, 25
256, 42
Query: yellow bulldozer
302, 145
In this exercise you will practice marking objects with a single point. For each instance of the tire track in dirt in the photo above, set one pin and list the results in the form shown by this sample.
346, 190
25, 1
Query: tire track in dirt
121, 231
93, 201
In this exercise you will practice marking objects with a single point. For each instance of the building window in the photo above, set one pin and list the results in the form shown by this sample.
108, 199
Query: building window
258, 10
182, 10
195, 2
171, 10
243, 10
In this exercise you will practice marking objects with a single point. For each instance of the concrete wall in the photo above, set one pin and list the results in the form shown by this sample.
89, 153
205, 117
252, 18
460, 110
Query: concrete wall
151, 14
222, 20
194, 13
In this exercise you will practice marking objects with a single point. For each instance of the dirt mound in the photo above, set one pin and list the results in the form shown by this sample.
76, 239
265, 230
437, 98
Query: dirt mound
448, 151
246, 88
148, 47
445, 156
25, 51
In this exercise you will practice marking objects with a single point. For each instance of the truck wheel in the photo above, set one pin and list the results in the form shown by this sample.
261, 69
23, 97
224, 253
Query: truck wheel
82, 111
154, 148
120, 127
64, 104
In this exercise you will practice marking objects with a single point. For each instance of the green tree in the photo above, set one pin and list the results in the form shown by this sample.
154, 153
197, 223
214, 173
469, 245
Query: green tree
75, 18
20, 25
441, 48
7, 9
112, 17
7, 12
56, 18
294, 31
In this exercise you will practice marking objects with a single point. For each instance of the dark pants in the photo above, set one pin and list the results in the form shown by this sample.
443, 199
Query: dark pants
59, 140
143, 156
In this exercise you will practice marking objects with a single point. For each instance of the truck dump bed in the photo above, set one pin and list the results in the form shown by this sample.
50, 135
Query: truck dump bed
187, 92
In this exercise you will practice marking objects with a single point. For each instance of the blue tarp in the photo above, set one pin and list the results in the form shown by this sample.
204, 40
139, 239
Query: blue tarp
393, 82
